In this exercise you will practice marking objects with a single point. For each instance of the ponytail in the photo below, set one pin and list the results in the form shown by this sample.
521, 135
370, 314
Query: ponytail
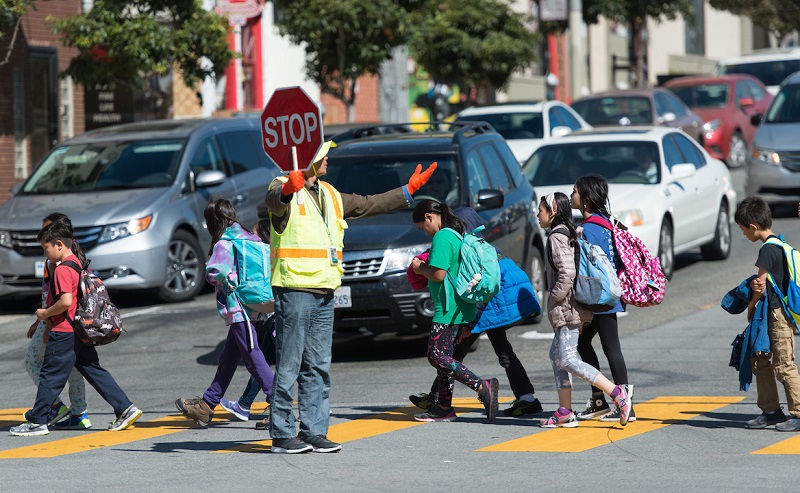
449, 218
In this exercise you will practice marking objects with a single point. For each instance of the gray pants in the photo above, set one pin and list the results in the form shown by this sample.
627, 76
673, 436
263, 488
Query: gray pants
565, 360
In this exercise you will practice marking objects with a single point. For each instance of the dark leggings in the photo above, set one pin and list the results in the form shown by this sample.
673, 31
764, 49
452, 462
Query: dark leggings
440, 356
606, 326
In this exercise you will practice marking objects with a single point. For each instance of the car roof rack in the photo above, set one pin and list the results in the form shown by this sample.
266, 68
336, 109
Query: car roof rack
401, 128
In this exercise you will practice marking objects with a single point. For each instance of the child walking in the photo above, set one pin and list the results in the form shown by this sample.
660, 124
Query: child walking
754, 218
221, 272
451, 314
567, 316
78, 420
64, 351
590, 196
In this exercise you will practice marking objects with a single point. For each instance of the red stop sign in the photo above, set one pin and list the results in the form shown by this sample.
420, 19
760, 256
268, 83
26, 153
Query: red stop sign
291, 120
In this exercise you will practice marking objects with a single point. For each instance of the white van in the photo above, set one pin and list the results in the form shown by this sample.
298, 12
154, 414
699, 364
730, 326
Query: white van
771, 67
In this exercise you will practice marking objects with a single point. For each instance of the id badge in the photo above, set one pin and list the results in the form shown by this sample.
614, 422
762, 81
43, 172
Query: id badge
332, 254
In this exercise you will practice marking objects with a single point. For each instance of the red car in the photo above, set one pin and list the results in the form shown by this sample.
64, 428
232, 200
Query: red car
725, 103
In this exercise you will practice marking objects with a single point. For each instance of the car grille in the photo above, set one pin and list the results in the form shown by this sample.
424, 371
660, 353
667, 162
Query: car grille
361, 268
24, 242
790, 160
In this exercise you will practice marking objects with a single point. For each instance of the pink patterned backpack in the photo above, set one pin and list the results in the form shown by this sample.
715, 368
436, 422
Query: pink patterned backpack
642, 281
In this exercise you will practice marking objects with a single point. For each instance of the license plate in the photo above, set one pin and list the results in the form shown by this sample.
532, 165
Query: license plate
341, 298
38, 269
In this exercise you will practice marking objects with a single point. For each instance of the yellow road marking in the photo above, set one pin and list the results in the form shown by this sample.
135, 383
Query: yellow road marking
785, 447
591, 434
12, 417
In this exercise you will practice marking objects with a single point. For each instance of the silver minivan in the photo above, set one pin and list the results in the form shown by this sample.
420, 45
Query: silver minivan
773, 163
135, 194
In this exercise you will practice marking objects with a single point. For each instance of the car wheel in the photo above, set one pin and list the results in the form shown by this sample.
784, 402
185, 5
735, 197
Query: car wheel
666, 254
538, 281
184, 269
720, 246
737, 156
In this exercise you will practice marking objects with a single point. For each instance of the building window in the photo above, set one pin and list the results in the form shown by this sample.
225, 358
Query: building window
695, 30
20, 150
67, 109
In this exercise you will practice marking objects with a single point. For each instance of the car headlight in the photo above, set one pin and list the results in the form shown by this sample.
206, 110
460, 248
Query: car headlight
633, 217
122, 230
765, 156
400, 258
5, 239
710, 127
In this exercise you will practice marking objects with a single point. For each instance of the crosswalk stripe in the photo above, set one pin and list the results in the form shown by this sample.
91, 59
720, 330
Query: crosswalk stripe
784, 447
591, 434
11, 417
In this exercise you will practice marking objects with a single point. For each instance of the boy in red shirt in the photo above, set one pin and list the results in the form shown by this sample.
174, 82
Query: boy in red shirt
64, 350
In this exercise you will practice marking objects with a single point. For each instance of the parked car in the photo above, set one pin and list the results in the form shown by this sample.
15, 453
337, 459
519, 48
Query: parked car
773, 164
662, 185
476, 168
655, 106
770, 66
526, 126
725, 103
135, 194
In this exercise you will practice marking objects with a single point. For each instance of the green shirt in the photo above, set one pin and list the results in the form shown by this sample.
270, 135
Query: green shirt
444, 255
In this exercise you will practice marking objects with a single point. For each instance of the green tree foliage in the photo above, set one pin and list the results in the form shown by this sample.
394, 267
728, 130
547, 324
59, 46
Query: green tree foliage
123, 42
476, 44
779, 17
344, 39
10, 11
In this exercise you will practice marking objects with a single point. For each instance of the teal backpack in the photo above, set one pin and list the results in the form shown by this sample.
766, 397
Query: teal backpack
254, 289
791, 298
477, 279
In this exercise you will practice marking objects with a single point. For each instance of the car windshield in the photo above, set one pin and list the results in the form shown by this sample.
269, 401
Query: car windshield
371, 175
618, 162
616, 110
527, 125
769, 73
107, 166
703, 95
786, 106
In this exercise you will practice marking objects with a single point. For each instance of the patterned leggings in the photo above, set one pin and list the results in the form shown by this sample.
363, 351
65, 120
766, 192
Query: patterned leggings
565, 360
440, 356
33, 364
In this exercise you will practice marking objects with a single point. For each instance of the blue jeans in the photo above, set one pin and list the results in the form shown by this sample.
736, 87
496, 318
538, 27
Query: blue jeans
303, 338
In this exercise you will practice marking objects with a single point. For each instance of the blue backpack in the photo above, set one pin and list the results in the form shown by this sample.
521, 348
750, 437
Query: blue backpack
254, 289
791, 298
597, 286
477, 278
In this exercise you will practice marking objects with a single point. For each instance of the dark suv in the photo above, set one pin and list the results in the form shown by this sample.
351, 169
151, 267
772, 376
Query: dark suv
476, 168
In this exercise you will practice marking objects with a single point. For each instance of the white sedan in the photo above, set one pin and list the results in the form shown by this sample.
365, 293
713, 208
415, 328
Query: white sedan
526, 126
662, 185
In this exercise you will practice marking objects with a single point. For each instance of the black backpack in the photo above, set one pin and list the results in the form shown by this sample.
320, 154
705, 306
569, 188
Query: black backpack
97, 320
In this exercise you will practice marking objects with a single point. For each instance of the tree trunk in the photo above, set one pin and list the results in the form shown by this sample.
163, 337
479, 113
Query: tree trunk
636, 52
351, 111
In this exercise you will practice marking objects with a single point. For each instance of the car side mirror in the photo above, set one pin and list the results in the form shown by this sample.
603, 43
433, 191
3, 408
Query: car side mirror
746, 102
667, 117
15, 188
489, 199
682, 171
209, 178
560, 131
755, 120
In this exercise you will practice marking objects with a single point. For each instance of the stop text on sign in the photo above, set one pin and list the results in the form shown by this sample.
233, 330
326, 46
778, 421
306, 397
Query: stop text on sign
294, 129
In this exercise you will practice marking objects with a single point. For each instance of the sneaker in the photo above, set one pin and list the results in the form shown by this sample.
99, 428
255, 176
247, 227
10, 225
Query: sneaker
559, 420
196, 409
29, 429
613, 416
436, 414
766, 419
57, 412
422, 401
596, 407
791, 424
74, 422
623, 404
321, 444
126, 419
488, 396
241, 413
290, 446
522, 408
263, 424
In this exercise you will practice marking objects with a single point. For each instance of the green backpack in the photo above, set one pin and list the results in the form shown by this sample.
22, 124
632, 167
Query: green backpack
791, 299
477, 278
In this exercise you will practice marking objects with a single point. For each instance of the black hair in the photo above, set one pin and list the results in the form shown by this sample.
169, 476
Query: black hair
53, 232
219, 215
262, 230
753, 210
563, 214
63, 219
593, 190
449, 219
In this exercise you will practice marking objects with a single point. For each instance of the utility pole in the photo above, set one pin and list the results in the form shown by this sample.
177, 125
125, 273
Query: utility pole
577, 58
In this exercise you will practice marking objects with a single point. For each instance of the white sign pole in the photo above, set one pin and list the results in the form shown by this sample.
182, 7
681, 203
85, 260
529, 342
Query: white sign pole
294, 158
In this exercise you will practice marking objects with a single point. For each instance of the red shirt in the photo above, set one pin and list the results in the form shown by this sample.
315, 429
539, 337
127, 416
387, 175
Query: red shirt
65, 280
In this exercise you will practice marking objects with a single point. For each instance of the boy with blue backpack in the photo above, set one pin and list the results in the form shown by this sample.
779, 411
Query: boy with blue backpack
754, 218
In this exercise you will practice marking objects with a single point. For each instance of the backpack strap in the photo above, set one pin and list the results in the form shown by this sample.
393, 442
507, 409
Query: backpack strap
600, 221
576, 248
787, 252
78, 269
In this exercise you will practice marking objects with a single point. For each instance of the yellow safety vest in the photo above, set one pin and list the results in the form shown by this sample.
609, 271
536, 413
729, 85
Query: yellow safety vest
300, 256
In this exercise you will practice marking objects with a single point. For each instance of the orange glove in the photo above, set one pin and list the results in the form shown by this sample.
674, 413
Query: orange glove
295, 183
419, 177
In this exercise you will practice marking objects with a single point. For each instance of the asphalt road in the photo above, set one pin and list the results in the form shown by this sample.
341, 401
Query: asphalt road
689, 434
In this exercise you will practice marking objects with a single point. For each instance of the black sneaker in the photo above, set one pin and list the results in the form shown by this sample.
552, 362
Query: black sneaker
263, 424
321, 444
290, 446
767, 419
422, 401
488, 396
522, 408
596, 407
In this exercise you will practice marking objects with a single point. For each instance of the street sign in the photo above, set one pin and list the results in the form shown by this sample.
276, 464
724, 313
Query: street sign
291, 128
